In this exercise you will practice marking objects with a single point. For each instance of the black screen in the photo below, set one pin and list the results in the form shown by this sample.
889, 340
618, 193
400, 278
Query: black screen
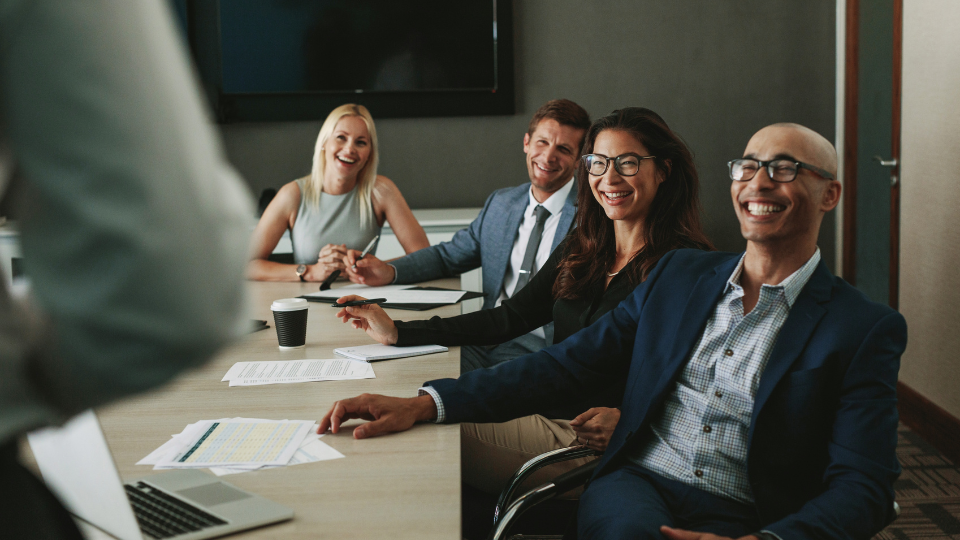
292, 46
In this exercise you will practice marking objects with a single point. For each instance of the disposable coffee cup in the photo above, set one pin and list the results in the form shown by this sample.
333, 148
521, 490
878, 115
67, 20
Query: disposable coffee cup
290, 318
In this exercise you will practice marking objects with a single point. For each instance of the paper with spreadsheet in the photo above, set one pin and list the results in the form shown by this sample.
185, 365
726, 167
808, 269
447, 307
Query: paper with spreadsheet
214, 443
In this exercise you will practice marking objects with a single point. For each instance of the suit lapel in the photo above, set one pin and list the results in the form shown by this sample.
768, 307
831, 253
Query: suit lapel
700, 305
509, 227
793, 337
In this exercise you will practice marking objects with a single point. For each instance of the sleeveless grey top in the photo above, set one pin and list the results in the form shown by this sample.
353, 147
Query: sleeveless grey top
336, 221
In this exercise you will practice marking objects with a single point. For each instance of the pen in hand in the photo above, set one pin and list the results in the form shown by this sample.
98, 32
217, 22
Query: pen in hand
366, 250
359, 302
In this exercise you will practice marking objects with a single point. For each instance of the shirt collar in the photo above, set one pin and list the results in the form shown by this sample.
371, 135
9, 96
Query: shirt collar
792, 285
554, 203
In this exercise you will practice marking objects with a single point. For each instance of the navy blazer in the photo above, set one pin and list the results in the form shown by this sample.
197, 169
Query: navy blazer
486, 243
821, 451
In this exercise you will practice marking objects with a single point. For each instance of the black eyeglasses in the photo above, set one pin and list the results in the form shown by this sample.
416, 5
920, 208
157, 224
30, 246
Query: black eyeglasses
779, 170
625, 164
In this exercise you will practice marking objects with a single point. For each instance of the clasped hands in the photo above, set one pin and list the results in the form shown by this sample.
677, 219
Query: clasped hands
368, 271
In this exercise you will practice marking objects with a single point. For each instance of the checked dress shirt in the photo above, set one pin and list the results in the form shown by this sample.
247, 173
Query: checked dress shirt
700, 438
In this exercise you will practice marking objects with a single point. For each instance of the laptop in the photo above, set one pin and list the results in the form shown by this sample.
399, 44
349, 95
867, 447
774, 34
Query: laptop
185, 504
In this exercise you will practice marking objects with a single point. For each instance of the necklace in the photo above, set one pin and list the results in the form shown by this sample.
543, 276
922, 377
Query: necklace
624, 266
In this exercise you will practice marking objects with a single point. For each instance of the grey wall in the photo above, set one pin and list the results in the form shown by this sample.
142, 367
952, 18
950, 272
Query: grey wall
717, 71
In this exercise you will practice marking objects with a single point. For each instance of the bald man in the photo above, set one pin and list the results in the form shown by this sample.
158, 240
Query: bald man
760, 399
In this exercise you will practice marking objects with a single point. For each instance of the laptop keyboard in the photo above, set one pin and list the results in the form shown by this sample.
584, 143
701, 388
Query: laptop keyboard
163, 516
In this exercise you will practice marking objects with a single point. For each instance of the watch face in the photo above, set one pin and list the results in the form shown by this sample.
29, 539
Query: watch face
301, 269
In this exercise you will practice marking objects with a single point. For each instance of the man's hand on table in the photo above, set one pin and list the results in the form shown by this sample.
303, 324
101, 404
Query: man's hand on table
386, 414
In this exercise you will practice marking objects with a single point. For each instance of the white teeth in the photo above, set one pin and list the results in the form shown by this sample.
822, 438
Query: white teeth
541, 168
759, 209
618, 195
346, 160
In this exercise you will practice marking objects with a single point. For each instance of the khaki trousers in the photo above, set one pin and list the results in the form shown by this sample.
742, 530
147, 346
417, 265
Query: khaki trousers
491, 453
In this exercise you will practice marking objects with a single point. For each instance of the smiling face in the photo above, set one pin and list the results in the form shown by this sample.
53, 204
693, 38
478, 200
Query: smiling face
786, 213
624, 198
552, 151
347, 150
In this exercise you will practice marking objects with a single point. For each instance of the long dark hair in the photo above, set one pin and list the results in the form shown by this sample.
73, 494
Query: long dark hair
672, 222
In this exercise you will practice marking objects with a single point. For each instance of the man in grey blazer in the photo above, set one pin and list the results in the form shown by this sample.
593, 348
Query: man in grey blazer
512, 237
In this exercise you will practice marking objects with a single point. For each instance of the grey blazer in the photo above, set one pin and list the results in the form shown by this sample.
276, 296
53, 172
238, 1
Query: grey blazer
486, 243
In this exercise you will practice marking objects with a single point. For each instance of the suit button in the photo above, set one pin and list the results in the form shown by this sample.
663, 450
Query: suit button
707, 429
718, 393
698, 473
728, 352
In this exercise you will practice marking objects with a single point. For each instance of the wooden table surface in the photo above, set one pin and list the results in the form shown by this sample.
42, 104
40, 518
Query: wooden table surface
400, 486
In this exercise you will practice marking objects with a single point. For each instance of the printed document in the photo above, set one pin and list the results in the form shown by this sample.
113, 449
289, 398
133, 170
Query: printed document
294, 371
244, 443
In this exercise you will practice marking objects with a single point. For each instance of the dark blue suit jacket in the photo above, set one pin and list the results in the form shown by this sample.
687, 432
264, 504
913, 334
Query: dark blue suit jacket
821, 450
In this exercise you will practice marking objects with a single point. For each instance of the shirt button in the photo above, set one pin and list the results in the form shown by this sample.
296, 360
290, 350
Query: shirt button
728, 352
707, 429
698, 473
718, 393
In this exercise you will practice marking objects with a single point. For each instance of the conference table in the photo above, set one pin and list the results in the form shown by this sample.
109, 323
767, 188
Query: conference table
405, 485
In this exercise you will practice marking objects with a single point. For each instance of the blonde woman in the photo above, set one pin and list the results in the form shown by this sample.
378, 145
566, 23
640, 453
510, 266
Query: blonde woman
342, 205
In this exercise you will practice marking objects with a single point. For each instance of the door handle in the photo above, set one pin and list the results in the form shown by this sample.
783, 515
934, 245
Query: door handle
891, 163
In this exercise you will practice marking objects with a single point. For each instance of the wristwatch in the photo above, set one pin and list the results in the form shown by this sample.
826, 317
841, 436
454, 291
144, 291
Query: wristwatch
301, 270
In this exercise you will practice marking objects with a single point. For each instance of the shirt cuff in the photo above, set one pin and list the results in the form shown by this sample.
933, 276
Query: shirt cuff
394, 273
441, 413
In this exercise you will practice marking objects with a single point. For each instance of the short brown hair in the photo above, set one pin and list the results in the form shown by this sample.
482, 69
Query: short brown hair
565, 112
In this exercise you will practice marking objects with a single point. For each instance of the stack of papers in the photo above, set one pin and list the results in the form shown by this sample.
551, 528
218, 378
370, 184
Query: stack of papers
371, 353
236, 445
295, 371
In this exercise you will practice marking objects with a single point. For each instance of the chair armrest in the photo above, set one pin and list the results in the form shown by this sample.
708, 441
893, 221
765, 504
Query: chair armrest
535, 464
561, 484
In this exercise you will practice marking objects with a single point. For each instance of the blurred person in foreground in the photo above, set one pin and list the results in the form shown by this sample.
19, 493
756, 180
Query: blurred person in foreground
134, 227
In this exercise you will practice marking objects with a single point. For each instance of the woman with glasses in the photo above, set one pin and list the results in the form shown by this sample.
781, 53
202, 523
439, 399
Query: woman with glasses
637, 198
340, 206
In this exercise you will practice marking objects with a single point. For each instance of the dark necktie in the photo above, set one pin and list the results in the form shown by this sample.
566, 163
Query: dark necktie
529, 266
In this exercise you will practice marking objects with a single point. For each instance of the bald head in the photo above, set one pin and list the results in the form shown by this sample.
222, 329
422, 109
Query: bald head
806, 144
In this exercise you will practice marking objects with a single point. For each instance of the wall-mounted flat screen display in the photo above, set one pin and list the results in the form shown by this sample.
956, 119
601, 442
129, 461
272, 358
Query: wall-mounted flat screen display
296, 46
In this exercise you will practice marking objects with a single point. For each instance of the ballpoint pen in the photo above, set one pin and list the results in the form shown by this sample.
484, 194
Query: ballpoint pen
366, 250
359, 302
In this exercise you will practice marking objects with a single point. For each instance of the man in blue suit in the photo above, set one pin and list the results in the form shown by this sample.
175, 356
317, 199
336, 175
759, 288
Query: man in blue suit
751, 410
512, 237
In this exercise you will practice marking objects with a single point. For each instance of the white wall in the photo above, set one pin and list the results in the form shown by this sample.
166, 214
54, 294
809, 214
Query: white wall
930, 204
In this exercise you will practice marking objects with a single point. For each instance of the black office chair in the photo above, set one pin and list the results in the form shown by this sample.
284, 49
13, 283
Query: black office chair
506, 513
509, 510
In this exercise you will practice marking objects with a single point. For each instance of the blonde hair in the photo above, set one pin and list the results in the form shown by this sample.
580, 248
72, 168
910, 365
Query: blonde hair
366, 178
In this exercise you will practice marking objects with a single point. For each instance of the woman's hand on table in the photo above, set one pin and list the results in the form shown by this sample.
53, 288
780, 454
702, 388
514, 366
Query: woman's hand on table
386, 414
369, 270
370, 318
329, 261
595, 427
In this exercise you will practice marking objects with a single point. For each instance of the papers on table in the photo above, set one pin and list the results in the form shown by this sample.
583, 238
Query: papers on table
294, 371
394, 294
239, 442
308, 450
370, 353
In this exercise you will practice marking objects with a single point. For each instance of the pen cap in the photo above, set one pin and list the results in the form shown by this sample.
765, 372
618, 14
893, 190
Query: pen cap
288, 304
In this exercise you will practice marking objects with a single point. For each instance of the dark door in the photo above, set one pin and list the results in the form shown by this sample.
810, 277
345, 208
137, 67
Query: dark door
872, 141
